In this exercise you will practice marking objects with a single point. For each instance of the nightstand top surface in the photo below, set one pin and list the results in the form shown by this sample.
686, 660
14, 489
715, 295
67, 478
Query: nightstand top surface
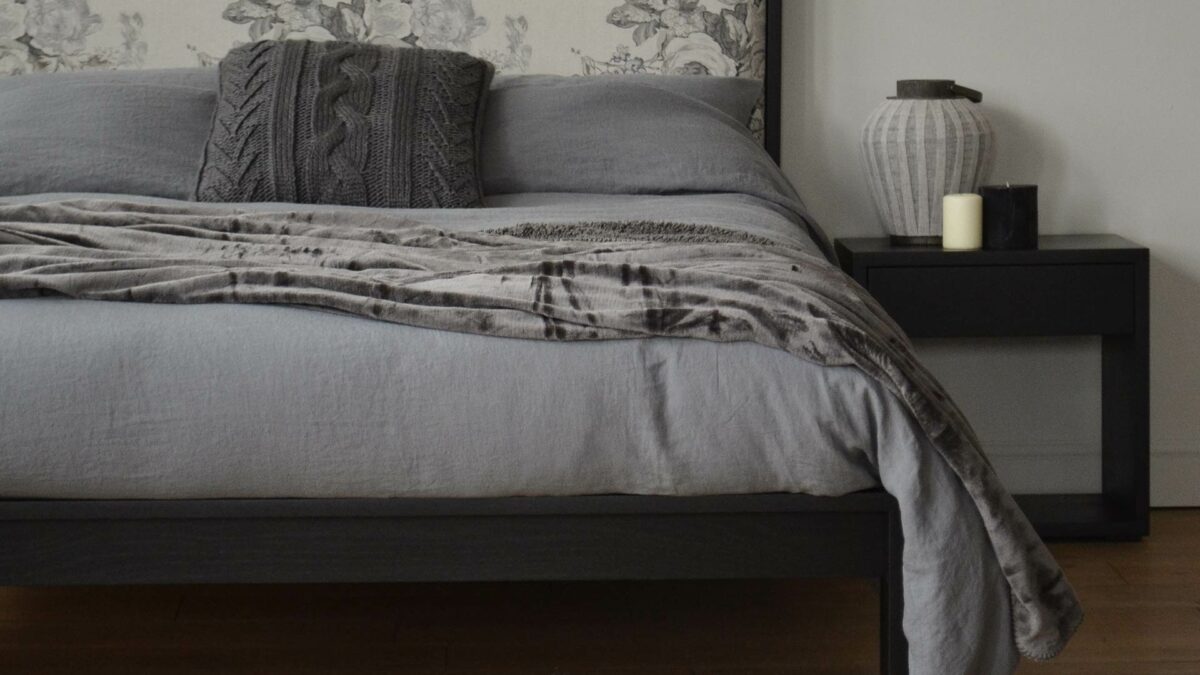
1051, 249
1053, 242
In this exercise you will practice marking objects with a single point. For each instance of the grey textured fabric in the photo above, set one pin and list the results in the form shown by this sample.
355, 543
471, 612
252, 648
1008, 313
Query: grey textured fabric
649, 279
144, 133
617, 136
250, 402
744, 213
241, 401
346, 123
133, 132
630, 135
734, 97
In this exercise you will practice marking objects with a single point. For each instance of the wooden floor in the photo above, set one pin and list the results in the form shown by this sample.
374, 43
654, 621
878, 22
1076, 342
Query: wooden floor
1142, 602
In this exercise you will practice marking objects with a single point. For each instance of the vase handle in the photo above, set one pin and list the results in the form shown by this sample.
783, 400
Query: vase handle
968, 93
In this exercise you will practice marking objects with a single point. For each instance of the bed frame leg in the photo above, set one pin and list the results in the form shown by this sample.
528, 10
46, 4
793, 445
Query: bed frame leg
893, 647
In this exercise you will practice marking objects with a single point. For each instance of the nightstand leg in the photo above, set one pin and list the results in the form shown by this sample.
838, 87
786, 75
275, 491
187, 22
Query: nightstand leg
1126, 436
1125, 406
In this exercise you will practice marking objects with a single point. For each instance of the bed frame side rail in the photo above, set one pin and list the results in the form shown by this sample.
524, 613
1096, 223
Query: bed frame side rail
437, 540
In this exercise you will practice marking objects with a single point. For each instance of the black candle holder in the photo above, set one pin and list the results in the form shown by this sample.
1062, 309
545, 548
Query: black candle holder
1010, 217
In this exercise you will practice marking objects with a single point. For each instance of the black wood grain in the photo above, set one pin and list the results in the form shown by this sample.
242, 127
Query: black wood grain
773, 86
414, 540
48, 542
297, 541
258, 509
1125, 407
1007, 300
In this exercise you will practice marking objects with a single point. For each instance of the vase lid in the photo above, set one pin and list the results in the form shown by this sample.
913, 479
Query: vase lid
934, 89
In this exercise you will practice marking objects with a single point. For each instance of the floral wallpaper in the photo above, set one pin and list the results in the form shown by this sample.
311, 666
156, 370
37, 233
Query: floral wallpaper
704, 37
434, 24
689, 38
51, 35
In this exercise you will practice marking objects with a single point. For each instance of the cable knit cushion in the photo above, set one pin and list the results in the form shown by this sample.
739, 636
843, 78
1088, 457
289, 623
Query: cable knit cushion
346, 123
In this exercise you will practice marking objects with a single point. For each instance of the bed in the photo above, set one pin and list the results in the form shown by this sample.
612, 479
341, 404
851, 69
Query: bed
229, 432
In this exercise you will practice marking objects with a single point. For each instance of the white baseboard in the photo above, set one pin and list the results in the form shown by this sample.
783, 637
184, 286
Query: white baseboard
1175, 474
1071, 467
1053, 467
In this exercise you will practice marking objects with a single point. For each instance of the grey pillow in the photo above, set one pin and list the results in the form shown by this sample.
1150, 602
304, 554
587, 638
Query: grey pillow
128, 132
736, 97
346, 123
625, 135
144, 132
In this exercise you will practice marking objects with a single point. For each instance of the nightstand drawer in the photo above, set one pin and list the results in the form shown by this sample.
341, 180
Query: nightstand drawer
1007, 300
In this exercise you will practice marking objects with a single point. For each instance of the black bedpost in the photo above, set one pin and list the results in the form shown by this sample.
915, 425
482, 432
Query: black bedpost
774, 79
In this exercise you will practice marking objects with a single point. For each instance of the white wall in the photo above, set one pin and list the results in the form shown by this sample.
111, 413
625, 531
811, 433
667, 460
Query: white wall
1096, 101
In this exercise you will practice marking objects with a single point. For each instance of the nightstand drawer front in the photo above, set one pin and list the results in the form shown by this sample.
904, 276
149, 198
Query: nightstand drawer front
1007, 300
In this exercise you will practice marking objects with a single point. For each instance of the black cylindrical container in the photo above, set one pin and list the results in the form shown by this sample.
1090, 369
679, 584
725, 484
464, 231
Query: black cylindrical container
1010, 216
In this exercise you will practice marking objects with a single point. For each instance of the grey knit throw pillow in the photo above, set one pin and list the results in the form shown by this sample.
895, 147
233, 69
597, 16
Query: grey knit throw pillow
346, 123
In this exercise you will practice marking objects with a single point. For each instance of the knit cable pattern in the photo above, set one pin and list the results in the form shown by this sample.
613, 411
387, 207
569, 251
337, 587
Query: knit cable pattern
340, 124
346, 123
445, 146
236, 167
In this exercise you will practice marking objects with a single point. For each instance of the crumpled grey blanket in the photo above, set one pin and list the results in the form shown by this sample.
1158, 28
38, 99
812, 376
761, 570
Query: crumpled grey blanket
592, 281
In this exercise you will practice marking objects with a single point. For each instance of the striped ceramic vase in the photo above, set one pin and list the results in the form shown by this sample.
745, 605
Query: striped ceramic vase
928, 141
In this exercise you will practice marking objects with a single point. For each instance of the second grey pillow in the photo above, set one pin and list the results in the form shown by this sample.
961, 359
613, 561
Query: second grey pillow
346, 123
137, 132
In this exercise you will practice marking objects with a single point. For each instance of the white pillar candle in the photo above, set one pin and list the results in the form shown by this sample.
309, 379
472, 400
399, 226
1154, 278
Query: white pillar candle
962, 222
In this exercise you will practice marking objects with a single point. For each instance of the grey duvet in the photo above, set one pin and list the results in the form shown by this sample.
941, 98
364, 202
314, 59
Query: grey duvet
530, 383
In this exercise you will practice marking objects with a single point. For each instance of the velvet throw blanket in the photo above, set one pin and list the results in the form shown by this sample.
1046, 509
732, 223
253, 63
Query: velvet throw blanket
592, 281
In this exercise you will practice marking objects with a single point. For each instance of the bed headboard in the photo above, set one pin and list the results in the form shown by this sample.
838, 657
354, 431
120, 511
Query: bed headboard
716, 37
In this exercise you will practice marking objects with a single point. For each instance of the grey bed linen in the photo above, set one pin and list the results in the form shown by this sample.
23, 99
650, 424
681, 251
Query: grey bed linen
227, 400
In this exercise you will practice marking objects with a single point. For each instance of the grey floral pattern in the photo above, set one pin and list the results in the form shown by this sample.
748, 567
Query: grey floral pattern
685, 37
52, 35
566, 37
518, 54
436, 24
446, 24
712, 37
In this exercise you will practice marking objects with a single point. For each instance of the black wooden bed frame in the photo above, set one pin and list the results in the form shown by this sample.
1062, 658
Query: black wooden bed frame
56, 542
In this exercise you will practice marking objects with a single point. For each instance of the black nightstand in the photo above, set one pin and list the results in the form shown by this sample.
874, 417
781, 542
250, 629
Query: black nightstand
1071, 285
